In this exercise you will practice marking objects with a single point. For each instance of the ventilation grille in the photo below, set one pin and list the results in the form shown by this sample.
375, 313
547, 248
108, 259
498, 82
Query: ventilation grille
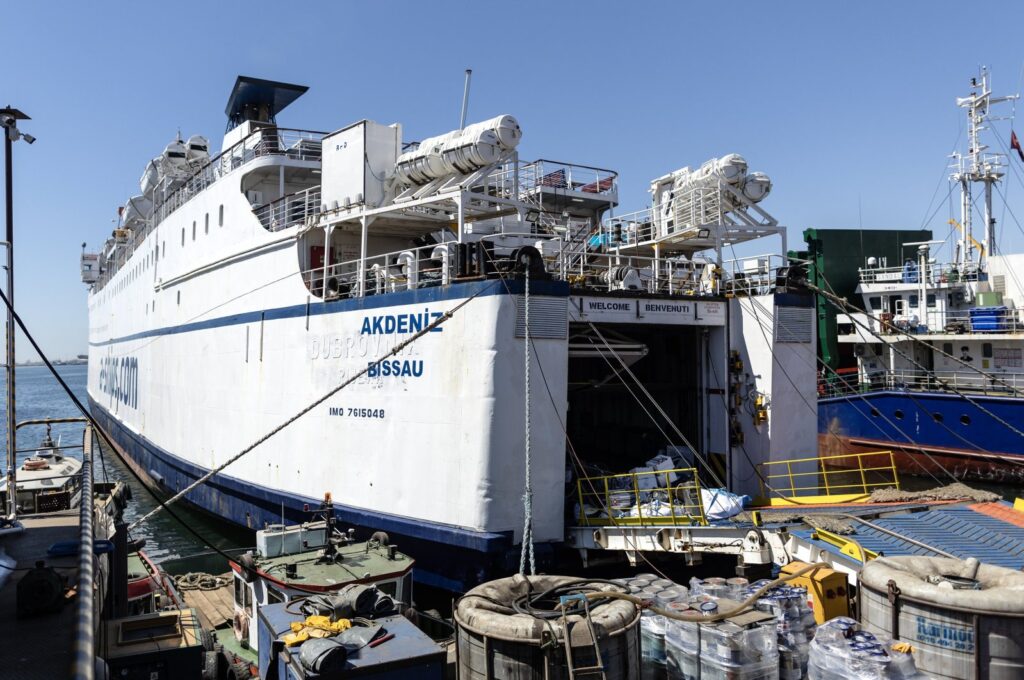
549, 318
999, 283
794, 324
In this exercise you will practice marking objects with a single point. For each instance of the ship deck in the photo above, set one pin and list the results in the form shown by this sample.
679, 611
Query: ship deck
991, 532
24, 638
843, 535
214, 606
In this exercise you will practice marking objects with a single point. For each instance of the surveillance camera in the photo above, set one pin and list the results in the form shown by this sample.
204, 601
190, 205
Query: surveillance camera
28, 138
7, 120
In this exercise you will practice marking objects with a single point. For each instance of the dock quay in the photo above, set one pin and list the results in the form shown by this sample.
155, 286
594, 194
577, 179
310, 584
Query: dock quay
55, 630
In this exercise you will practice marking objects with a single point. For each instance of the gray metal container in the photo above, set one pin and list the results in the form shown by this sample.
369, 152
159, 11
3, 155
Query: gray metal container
960, 634
493, 642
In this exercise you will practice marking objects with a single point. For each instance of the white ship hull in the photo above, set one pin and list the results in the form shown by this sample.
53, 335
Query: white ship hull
416, 450
216, 319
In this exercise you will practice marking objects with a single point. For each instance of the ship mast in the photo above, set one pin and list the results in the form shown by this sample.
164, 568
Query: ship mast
977, 166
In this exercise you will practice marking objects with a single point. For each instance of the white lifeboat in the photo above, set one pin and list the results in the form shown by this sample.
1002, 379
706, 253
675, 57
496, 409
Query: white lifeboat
136, 210
198, 150
150, 177
174, 160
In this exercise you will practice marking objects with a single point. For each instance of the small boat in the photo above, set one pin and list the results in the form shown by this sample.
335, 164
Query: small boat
47, 481
296, 562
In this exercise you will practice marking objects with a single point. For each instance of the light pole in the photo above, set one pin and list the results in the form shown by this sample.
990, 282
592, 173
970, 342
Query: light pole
9, 118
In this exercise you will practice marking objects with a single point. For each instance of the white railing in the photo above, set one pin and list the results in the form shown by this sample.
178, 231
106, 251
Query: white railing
687, 216
421, 267
947, 322
544, 174
289, 210
910, 272
302, 145
434, 265
924, 381
590, 266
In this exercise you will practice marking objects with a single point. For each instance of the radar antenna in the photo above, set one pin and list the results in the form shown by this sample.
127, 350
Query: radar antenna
977, 166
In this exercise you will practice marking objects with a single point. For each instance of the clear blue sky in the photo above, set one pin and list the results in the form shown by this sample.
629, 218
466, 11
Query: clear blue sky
848, 106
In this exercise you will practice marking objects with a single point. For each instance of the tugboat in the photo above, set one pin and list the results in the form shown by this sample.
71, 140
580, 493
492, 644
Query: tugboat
295, 562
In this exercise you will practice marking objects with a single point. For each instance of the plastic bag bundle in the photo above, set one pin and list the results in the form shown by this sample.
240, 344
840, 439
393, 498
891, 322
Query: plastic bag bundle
842, 651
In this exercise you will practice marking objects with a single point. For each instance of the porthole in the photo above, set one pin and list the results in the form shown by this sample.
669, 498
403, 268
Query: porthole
965, 419
898, 413
937, 417
875, 413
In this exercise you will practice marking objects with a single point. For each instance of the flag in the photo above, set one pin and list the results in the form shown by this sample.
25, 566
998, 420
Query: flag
1015, 144
120, 208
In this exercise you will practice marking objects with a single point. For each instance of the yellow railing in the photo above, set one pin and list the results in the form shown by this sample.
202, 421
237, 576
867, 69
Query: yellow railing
656, 498
846, 478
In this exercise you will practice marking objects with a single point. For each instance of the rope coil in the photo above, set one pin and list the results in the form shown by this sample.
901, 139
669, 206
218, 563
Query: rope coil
199, 580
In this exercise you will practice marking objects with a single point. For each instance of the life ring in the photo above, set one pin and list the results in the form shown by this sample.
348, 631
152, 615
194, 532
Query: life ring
36, 464
241, 626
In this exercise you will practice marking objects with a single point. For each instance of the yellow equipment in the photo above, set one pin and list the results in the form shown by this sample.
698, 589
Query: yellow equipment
827, 591
314, 627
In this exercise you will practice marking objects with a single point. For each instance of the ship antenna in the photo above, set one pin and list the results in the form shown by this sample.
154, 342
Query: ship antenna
465, 98
977, 166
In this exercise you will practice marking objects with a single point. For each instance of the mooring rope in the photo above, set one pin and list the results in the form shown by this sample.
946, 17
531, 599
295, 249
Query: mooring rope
527, 549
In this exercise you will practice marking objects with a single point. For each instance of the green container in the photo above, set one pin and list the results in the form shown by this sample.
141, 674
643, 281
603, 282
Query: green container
990, 300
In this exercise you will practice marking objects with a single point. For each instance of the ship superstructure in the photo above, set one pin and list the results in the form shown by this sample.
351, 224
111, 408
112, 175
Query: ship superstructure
240, 288
939, 345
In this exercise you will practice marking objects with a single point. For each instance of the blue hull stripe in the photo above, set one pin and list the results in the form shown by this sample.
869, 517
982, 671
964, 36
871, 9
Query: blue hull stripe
251, 505
929, 419
454, 291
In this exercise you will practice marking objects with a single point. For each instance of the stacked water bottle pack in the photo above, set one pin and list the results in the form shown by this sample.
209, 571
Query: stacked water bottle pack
842, 651
741, 647
789, 606
795, 626
665, 594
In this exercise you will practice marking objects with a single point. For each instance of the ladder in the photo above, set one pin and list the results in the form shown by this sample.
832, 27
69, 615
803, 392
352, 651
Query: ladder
570, 663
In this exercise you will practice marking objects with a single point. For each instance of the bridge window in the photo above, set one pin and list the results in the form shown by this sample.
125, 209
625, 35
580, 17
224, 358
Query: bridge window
875, 302
986, 350
930, 299
947, 347
913, 300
